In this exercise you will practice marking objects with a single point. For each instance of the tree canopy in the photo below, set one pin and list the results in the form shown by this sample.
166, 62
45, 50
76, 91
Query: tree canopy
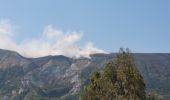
120, 80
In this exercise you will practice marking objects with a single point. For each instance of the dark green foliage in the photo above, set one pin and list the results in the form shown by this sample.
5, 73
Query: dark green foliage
129, 81
120, 81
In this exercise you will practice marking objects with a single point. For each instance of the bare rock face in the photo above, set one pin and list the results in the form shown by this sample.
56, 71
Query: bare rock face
60, 77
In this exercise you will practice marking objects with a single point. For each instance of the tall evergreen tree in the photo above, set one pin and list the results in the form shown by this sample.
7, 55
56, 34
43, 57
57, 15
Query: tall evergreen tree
129, 81
120, 80
92, 91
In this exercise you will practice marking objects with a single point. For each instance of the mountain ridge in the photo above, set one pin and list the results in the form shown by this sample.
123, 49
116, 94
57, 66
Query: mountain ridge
61, 77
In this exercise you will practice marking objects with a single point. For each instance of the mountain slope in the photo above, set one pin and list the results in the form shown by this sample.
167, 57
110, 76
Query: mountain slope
54, 77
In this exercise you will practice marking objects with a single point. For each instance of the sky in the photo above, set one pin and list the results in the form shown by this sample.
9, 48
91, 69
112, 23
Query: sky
81, 27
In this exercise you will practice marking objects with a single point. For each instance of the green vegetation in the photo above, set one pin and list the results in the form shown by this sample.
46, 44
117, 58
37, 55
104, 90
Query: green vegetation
120, 80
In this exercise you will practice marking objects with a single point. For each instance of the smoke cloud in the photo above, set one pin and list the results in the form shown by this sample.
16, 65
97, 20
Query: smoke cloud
51, 42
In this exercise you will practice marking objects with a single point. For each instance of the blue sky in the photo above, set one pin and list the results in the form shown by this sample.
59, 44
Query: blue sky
141, 25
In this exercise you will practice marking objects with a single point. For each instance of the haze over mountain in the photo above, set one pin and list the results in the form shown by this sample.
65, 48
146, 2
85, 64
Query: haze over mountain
54, 77
52, 41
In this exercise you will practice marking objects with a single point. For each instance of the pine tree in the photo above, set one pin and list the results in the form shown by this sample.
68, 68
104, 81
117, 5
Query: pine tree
129, 81
120, 80
92, 91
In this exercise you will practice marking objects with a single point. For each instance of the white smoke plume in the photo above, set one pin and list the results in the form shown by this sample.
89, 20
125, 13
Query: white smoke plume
51, 42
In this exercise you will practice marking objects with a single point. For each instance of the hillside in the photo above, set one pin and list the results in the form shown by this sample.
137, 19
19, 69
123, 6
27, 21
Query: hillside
60, 77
